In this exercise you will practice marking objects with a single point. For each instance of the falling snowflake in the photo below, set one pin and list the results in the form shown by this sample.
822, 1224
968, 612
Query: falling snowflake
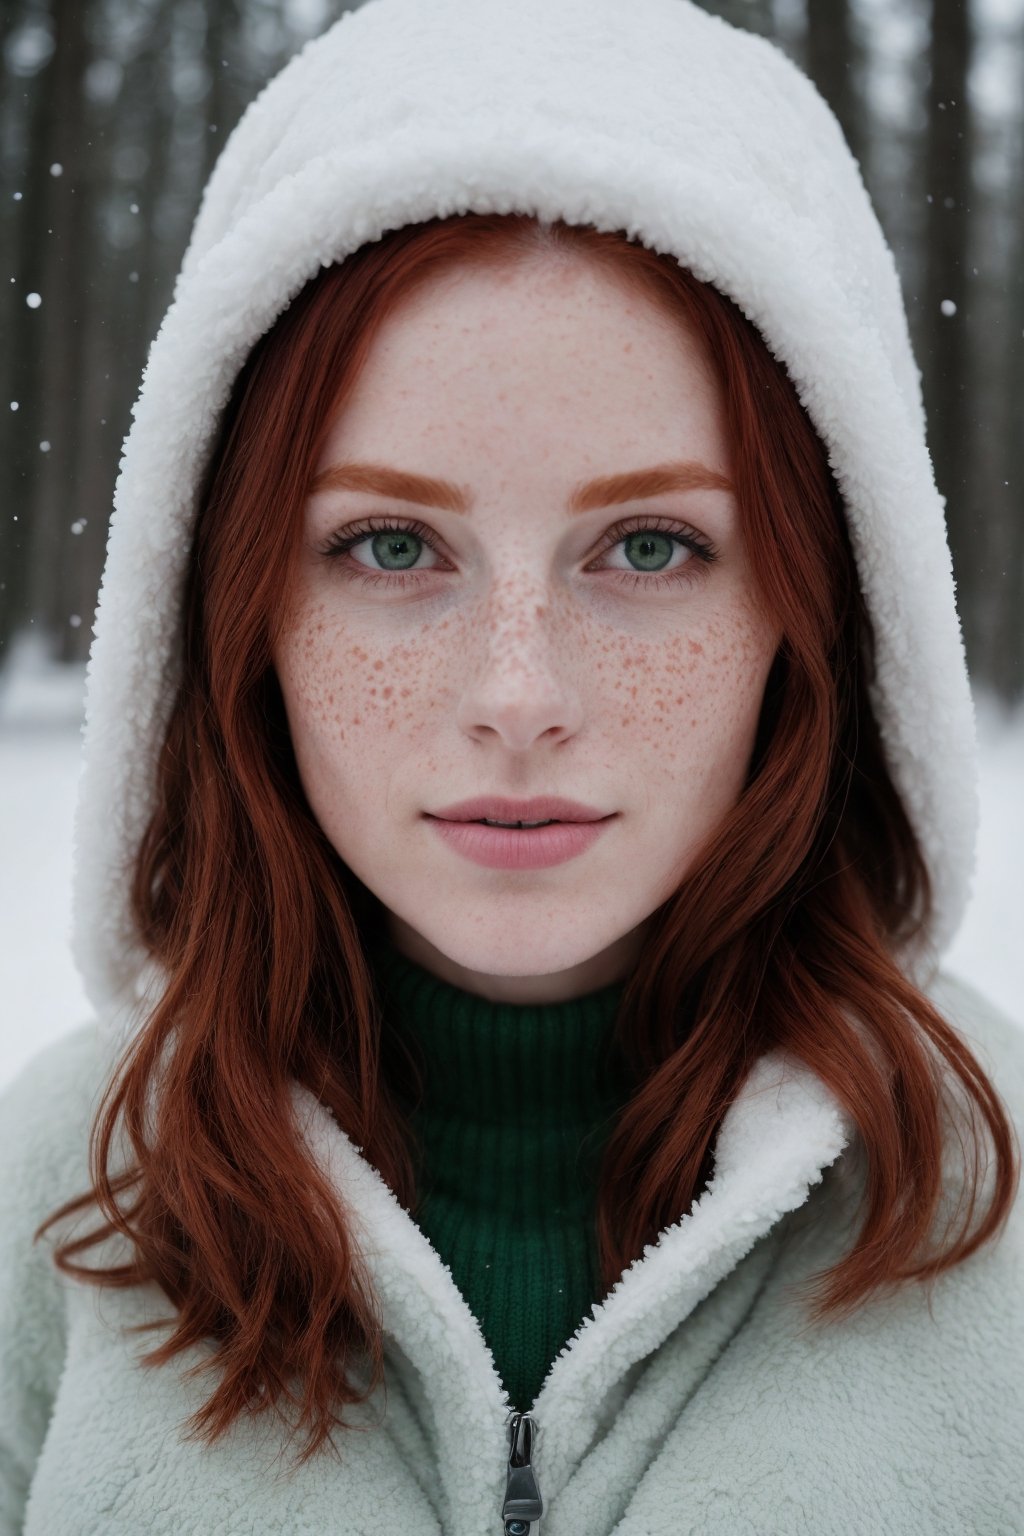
56, 169
44, 446
948, 307
33, 300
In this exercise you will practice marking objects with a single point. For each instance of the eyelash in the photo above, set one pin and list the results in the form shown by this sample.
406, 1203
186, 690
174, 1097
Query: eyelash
702, 549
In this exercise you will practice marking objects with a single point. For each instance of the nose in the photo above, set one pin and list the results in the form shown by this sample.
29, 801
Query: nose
522, 679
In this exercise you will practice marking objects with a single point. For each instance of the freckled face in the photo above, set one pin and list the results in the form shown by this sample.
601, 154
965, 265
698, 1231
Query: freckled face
520, 648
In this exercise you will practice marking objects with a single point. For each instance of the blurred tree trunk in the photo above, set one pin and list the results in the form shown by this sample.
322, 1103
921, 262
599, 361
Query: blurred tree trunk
65, 259
1005, 508
751, 15
153, 266
945, 362
20, 459
832, 58
118, 309
221, 109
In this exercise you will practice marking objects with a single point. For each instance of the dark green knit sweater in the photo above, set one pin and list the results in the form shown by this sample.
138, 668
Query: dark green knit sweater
517, 1104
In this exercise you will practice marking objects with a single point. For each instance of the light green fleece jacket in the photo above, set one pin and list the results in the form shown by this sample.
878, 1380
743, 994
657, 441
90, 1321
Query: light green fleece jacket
694, 1399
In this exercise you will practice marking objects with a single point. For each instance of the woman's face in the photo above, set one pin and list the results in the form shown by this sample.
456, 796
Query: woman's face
529, 644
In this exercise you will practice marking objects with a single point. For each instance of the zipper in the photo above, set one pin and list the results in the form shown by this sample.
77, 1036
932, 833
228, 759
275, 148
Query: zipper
523, 1503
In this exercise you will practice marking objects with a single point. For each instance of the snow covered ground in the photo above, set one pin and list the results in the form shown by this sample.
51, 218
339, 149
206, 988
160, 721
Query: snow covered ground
40, 717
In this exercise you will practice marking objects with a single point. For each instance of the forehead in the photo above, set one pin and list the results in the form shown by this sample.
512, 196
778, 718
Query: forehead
556, 367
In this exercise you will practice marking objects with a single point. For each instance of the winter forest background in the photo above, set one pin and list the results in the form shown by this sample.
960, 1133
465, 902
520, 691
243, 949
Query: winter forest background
112, 113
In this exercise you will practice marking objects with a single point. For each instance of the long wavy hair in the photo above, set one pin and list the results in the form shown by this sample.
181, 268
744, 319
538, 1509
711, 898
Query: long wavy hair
786, 933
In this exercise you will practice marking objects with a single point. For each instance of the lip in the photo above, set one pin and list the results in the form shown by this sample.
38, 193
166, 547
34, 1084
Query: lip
519, 848
501, 808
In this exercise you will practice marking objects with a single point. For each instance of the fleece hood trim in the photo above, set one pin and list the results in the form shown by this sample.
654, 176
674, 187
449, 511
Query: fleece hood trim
651, 117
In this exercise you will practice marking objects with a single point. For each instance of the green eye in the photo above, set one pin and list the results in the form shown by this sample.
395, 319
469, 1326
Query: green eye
402, 548
652, 549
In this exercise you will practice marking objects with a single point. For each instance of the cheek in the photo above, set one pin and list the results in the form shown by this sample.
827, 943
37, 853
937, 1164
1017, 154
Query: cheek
692, 703
340, 694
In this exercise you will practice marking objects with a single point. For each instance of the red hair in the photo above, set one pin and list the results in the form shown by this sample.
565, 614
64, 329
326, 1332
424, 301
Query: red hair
783, 935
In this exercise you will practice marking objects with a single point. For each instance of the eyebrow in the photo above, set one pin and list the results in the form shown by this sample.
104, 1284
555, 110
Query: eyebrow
605, 491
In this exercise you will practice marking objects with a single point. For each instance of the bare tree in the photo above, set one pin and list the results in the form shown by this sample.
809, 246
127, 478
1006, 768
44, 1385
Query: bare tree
1003, 507
947, 313
28, 85
832, 58
63, 284
131, 139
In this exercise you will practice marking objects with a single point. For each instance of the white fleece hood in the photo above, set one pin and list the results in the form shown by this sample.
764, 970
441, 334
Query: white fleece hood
647, 116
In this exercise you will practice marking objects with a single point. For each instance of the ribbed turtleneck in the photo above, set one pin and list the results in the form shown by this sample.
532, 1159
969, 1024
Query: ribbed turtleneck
517, 1103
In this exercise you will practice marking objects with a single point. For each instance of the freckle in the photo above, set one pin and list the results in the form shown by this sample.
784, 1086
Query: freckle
378, 664
388, 692
693, 723
696, 648
679, 698
358, 720
372, 691
406, 693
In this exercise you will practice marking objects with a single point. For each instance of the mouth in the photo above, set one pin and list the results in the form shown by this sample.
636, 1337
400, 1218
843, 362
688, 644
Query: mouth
519, 846
519, 826
520, 815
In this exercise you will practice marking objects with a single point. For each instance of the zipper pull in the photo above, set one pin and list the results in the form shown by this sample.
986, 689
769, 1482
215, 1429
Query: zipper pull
523, 1503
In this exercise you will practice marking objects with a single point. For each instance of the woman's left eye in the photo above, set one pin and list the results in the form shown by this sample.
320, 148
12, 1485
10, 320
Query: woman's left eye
654, 542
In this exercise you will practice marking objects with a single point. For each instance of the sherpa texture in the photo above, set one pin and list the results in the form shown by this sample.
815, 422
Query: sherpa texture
694, 1401
648, 116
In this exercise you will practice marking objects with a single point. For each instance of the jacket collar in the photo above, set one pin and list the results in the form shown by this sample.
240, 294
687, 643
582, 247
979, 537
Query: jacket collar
783, 1129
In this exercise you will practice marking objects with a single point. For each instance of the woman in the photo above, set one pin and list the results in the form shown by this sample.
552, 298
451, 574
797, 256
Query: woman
534, 436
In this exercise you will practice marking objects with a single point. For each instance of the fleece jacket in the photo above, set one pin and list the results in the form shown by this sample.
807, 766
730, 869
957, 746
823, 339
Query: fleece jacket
696, 1398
